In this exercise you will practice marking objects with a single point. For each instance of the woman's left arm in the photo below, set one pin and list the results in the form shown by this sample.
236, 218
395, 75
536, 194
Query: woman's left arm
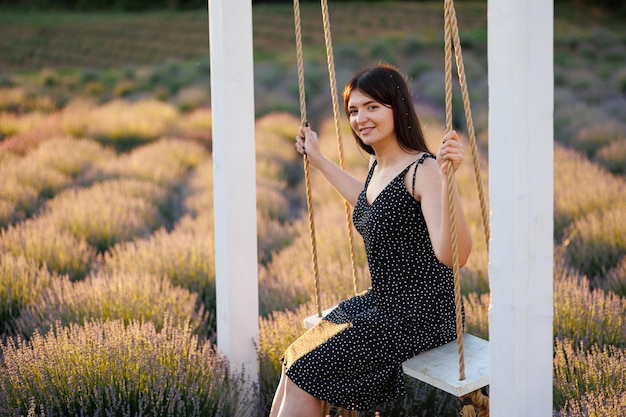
432, 187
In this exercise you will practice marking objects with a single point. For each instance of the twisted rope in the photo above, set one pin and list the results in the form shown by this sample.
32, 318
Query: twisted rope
451, 184
458, 53
307, 168
299, 59
335, 100
476, 398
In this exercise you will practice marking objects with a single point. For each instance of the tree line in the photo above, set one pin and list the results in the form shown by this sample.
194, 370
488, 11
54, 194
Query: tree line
617, 6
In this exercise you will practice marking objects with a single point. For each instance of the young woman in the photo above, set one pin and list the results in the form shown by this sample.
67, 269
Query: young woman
353, 357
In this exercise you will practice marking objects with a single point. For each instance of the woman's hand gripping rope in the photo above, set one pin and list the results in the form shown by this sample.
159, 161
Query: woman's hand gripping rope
451, 149
307, 144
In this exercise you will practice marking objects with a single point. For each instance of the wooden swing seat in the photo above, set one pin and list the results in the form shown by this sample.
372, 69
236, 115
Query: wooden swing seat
439, 366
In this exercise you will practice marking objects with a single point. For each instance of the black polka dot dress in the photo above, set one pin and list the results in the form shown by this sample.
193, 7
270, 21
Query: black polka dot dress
353, 357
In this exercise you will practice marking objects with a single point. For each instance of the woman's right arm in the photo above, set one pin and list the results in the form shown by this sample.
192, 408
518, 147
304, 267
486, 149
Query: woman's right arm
347, 185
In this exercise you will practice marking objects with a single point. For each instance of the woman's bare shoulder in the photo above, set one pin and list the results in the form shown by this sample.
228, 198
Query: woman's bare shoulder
427, 179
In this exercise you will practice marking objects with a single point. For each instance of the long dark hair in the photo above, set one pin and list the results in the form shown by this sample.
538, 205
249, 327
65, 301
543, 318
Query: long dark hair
387, 86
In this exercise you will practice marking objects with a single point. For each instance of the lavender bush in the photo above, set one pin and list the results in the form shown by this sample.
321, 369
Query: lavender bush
59, 251
107, 368
123, 296
21, 283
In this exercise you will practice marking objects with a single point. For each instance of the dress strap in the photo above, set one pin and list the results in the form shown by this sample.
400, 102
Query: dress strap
371, 171
417, 164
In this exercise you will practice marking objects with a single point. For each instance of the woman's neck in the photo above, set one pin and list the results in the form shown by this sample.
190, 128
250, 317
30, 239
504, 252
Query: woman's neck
392, 156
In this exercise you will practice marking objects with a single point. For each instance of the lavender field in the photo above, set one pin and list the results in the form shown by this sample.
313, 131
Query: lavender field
107, 278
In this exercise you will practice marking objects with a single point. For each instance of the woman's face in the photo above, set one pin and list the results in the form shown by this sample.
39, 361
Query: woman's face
370, 120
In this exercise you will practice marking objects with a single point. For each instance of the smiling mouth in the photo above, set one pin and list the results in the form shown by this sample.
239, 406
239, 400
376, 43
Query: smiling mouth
366, 130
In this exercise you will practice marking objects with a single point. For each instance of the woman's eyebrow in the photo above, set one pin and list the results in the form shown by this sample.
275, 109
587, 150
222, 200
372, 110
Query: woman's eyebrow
365, 103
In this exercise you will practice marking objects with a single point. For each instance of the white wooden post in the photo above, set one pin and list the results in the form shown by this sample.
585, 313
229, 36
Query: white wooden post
232, 106
520, 37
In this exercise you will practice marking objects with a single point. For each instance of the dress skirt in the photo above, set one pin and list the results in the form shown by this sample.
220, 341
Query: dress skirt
352, 358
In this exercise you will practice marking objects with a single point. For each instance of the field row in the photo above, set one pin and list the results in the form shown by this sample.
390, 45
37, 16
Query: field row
127, 235
105, 41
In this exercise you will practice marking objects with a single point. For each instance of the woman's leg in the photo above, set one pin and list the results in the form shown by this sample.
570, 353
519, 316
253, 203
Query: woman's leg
278, 396
292, 401
298, 403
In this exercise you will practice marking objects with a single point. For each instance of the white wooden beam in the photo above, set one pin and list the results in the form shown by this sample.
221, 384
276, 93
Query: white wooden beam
232, 106
520, 39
